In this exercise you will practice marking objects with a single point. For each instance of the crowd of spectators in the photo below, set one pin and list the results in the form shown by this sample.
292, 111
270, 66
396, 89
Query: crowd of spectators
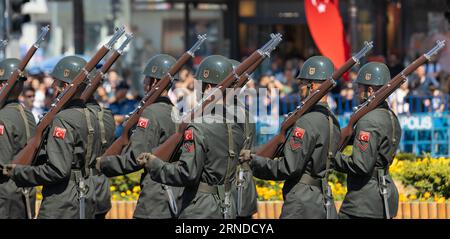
426, 90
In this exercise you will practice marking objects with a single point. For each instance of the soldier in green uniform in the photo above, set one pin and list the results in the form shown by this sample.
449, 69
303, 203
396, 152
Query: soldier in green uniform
62, 166
107, 128
209, 155
244, 187
17, 125
310, 145
153, 128
371, 190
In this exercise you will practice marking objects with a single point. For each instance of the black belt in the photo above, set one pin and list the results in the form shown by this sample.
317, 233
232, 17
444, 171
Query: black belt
309, 180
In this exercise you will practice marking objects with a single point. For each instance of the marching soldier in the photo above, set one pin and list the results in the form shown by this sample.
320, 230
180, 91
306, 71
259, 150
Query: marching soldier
371, 190
107, 128
244, 190
17, 125
62, 165
154, 127
208, 159
306, 156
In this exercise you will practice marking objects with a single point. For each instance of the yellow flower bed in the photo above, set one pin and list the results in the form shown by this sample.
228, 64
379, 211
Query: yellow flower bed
429, 178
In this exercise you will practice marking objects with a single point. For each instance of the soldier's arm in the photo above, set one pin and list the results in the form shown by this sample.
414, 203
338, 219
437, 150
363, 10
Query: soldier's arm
60, 151
145, 137
6, 142
299, 146
187, 170
364, 155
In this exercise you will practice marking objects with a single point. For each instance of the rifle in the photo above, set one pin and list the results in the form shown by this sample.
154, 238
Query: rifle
383, 93
168, 149
6, 89
101, 74
27, 154
3, 44
150, 98
274, 147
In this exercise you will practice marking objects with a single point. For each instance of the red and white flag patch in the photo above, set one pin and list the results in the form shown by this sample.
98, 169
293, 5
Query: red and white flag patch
59, 133
143, 123
299, 133
188, 135
2, 130
364, 136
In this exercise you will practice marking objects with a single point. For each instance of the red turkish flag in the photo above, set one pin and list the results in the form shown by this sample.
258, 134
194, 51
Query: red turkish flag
327, 30
364, 136
143, 123
299, 132
188, 135
59, 133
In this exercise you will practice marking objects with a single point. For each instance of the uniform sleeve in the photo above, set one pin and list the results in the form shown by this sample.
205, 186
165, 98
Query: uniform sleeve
299, 146
144, 139
364, 155
60, 152
6, 142
187, 170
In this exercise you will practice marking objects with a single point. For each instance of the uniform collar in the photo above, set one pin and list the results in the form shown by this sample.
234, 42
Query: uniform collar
12, 101
79, 103
164, 99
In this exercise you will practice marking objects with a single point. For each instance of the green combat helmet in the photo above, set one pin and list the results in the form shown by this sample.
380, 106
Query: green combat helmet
373, 74
158, 66
213, 69
316, 68
68, 68
7, 68
234, 63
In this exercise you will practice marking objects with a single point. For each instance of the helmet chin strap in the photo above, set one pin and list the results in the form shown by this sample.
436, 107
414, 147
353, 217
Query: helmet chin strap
308, 89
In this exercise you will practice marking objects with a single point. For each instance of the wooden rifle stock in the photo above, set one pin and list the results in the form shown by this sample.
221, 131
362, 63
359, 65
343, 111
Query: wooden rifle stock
28, 153
383, 93
99, 76
92, 87
4, 93
170, 147
273, 148
149, 98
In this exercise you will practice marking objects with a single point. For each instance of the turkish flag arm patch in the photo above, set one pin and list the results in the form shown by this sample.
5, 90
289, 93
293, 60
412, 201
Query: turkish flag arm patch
296, 139
189, 144
364, 138
2, 130
143, 123
59, 133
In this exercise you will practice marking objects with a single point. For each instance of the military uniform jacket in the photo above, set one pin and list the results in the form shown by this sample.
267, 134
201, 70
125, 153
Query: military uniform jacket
373, 148
13, 137
63, 153
154, 127
305, 152
107, 129
204, 159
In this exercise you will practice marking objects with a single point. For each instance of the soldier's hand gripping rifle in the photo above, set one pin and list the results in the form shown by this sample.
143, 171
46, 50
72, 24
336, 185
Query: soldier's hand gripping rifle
150, 98
274, 147
27, 154
101, 74
383, 93
4, 92
171, 146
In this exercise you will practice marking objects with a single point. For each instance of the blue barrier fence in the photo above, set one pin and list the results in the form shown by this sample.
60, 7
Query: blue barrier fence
410, 104
424, 130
